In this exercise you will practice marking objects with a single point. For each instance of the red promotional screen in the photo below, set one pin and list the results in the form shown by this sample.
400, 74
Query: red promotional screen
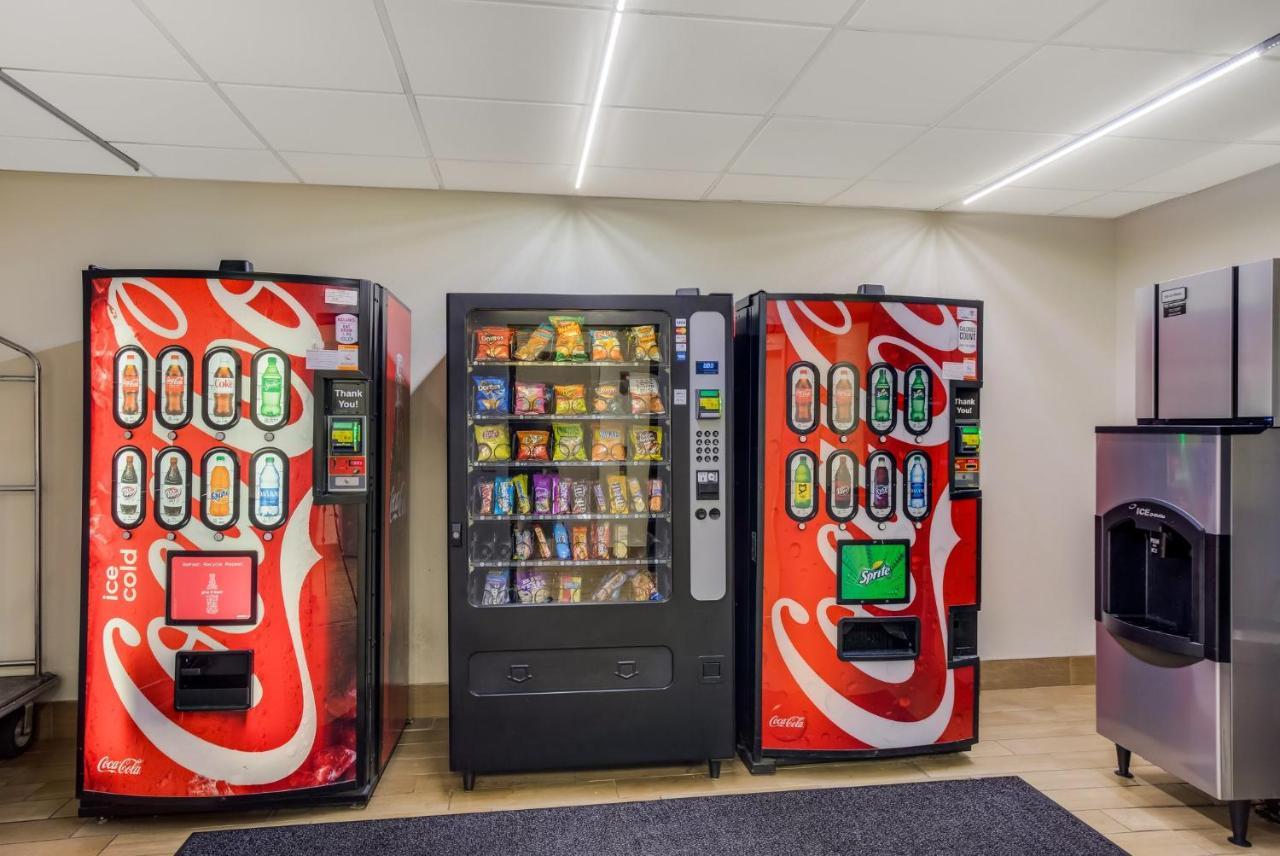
200, 440
856, 449
211, 588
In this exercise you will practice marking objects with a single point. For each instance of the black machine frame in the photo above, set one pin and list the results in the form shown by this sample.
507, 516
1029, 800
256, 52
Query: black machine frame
688, 719
749, 360
371, 630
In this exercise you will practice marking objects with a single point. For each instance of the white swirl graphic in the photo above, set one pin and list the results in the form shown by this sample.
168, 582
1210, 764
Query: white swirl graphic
812, 316
293, 340
118, 295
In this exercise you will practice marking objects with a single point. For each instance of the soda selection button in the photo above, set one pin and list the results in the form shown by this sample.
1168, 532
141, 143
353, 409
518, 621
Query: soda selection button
715, 514
701, 514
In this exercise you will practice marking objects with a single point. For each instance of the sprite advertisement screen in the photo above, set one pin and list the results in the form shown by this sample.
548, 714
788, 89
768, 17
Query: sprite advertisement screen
873, 572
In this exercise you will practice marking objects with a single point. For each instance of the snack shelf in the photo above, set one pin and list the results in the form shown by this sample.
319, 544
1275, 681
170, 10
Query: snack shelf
568, 563
547, 364
552, 517
586, 601
490, 466
570, 417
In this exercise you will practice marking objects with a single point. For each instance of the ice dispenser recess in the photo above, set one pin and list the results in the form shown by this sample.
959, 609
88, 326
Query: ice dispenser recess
213, 680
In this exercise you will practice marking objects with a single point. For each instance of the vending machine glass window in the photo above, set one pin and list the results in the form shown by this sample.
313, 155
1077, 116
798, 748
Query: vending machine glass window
569, 465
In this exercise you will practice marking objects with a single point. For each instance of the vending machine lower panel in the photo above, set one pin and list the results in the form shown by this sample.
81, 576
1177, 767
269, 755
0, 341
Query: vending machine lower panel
859, 492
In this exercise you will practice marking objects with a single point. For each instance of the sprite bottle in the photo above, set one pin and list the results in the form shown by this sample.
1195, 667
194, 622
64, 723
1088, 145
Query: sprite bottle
917, 397
882, 398
271, 392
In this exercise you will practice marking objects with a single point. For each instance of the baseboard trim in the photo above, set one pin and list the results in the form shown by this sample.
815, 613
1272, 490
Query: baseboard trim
57, 719
1037, 672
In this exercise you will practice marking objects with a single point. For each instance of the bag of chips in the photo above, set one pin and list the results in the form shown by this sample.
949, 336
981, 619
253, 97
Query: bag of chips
571, 345
561, 535
493, 344
491, 396
606, 398
520, 483
570, 588
492, 443
571, 399
581, 551
606, 347
643, 586
607, 444
644, 343
531, 399
504, 503
523, 551
646, 396
532, 587
497, 588
637, 495
611, 586
536, 345
617, 489
646, 443
542, 493
532, 445
570, 443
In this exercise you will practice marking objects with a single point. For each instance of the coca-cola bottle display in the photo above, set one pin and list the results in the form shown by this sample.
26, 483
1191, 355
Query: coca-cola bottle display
845, 510
257, 557
130, 398
173, 387
221, 388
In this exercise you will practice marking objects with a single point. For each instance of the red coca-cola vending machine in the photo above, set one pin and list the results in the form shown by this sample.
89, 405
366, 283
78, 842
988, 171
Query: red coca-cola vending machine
243, 625
859, 498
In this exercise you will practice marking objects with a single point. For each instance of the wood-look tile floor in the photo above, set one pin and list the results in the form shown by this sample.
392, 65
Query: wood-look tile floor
1044, 735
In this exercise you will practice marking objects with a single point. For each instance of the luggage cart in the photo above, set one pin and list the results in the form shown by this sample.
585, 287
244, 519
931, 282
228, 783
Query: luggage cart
18, 693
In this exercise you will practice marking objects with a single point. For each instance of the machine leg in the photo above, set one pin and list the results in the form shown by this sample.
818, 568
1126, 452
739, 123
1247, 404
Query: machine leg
1239, 822
468, 780
713, 768
1123, 756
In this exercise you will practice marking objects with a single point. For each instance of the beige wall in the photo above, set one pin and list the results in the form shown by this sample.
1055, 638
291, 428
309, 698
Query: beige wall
1048, 284
1229, 224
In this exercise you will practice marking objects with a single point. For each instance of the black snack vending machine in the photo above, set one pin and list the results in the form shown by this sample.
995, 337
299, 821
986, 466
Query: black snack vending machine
590, 605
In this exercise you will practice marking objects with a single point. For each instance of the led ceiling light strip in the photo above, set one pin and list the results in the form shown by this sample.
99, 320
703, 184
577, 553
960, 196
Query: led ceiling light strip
600, 87
1136, 113
17, 87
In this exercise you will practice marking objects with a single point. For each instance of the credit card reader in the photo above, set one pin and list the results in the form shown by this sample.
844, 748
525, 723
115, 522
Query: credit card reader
344, 438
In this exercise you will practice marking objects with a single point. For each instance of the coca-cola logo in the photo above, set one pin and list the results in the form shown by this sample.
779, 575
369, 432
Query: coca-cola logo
795, 722
122, 767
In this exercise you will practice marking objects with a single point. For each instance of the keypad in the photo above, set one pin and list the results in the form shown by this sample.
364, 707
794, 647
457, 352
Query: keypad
706, 448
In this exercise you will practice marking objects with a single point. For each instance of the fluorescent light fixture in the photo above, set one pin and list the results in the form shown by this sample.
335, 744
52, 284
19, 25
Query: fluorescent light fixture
600, 86
1133, 115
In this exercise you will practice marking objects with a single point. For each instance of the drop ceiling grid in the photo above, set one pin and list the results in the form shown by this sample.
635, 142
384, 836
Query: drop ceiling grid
649, 115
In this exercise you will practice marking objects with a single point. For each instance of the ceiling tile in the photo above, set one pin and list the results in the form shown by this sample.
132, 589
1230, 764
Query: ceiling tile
1223, 164
1214, 26
778, 188
654, 139
1244, 105
361, 170
100, 37
1070, 90
462, 129
712, 65
20, 117
894, 77
819, 148
799, 11
221, 164
337, 44
506, 177
645, 183
1035, 20
318, 120
1115, 204
1025, 200
1115, 162
869, 193
26, 153
951, 156
499, 50
124, 109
